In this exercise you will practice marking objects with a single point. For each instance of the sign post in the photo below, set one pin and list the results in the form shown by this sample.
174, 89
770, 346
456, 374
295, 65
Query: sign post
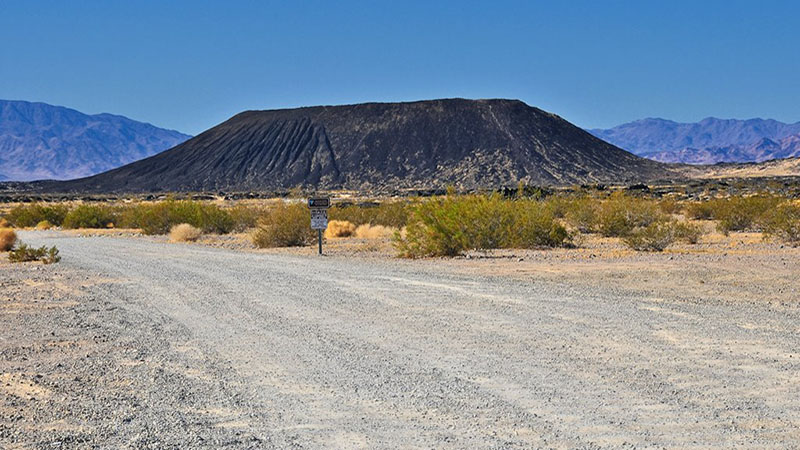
319, 216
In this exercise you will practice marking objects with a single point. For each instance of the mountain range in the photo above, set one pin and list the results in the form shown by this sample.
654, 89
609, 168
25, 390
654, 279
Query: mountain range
709, 141
41, 141
372, 146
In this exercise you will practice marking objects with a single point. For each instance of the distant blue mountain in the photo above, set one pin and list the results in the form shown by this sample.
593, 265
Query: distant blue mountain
41, 141
706, 142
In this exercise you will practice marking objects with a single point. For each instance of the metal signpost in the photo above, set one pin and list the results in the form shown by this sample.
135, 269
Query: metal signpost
319, 216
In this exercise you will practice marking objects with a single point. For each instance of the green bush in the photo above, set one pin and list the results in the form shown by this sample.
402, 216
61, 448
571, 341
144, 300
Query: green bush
687, 232
701, 210
284, 225
621, 214
389, 214
30, 215
742, 213
159, 218
535, 226
89, 216
653, 238
582, 213
783, 223
451, 225
244, 217
25, 253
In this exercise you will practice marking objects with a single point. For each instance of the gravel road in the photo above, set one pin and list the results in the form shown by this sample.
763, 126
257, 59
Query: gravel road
177, 345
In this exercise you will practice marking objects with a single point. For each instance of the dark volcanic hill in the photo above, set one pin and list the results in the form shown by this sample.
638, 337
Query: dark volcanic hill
41, 141
466, 143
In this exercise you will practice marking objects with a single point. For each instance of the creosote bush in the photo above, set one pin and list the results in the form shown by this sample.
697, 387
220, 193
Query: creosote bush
783, 223
29, 215
621, 214
388, 213
742, 213
581, 213
89, 216
159, 218
687, 232
451, 225
339, 228
284, 225
184, 233
25, 253
7, 239
653, 238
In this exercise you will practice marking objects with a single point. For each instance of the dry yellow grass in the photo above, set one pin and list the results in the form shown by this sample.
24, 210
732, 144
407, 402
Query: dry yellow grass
339, 228
44, 225
7, 239
184, 233
368, 231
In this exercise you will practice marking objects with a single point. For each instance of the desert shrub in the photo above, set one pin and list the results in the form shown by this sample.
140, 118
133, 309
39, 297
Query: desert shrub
783, 223
687, 232
284, 225
582, 213
339, 228
621, 214
653, 238
390, 213
184, 233
44, 225
451, 225
535, 226
4, 223
89, 216
367, 231
30, 215
670, 206
25, 253
7, 239
701, 210
244, 217
742, 213
159, 218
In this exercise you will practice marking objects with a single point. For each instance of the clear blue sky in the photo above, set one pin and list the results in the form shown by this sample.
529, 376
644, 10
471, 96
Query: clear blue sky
188, 65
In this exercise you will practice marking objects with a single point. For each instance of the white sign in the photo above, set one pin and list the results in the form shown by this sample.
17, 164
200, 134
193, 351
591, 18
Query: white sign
319, 219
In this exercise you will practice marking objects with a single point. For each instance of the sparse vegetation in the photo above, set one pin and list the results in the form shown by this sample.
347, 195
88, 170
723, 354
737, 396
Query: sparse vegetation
89, 216
581, 213
621, 214
389, 213
159, 218
25, 253
367, 231
687, 232
7, 239
184, 233
29, 215
655, 237
742, 213
284, 225
451, 225
339, 228
783, 223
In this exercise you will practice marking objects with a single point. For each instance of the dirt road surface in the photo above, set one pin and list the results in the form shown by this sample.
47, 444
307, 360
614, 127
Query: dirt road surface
134, 343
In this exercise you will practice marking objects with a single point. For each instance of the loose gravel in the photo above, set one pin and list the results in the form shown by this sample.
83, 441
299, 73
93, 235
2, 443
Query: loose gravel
142, 344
